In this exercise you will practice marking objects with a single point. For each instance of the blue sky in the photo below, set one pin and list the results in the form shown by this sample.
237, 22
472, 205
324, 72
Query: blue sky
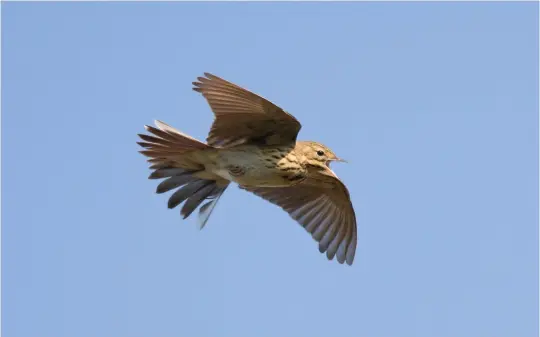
434, 105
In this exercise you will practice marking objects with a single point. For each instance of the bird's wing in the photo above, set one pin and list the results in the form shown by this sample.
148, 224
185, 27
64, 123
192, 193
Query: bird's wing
244, 117
322, 205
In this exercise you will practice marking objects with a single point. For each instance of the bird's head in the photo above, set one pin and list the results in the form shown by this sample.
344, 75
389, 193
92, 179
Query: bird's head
316, 154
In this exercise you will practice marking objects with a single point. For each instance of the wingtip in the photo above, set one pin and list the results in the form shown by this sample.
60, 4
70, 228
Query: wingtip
350, 258
210, 76
341, 259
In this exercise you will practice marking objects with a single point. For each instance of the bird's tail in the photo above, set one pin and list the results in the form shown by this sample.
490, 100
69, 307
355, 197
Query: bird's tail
176, 157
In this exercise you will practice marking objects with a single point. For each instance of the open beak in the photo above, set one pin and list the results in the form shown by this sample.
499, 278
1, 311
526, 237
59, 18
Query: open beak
336, 159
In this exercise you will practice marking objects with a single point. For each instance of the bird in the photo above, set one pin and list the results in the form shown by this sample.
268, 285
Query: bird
253, 143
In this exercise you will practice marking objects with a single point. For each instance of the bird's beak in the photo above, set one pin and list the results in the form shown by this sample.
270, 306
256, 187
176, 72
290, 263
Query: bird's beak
341, 160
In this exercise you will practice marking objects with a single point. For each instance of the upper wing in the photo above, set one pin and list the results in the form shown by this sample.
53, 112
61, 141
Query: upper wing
244, 117
323, 207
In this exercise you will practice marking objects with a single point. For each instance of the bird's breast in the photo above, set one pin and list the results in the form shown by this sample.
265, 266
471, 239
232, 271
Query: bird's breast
259, 166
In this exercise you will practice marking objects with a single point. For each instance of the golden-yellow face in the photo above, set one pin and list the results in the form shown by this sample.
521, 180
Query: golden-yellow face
317, 154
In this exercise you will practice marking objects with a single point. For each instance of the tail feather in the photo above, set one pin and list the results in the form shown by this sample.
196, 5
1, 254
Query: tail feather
166, 146
161, 134
166, 172
185, 192
174, 182
157, 146
169, 155
159, 164
152, 139
193, 194
206, 210
179, 138
170, 139
196, 199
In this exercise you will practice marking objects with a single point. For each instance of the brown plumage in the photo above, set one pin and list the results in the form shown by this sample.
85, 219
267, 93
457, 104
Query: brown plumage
252, 142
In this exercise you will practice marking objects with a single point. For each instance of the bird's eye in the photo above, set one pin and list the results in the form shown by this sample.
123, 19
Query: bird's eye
320, 153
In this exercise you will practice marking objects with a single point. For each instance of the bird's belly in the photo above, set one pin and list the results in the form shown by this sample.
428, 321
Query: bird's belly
257, 168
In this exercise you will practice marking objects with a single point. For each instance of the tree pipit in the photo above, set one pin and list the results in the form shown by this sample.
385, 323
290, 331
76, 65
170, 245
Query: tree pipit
252, 143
